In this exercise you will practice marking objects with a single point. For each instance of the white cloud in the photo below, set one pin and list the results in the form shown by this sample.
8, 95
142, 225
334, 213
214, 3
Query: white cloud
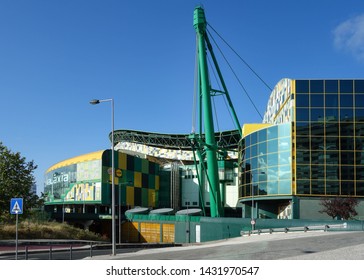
349, 36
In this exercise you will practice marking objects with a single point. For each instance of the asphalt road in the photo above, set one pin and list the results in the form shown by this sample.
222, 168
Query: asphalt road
277, 246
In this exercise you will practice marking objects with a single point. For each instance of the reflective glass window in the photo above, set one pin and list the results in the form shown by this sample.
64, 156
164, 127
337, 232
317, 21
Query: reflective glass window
332, 187
272, 146
332, 129
359, 86
317, 157
317, 115
262, 148
302, 86
346, 86
254, 138
284, 144
316, 86
347, 115
262, 161
359, 143
284, 158
347, 172
317, 143
262, 135
359, 100
331, 86
272, 173
284, 130
302, 100
347, 188
254, 151
303, 171
248, 165
284, 172
302, 114
272, 132
247, 141
303, 156
248, 153
285, 187
347, 157
303, 143
272, 159
272, 187
359, 129
302, 128
317, 187
317, 100
347, 129
254, 163
359, 171
331, 114
332, 143
317, 129
346, 100
263, 174
359, 188
332, 172
332, 157
332, 100
359, 115
347, 143
318, 172
262, 188
303, 187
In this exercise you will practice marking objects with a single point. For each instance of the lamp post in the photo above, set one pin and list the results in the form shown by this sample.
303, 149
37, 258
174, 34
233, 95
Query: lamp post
113, 227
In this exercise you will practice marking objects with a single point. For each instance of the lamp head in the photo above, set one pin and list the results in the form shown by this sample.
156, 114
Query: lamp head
94, 101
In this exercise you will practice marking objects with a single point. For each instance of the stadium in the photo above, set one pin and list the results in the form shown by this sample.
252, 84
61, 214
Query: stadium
308, 147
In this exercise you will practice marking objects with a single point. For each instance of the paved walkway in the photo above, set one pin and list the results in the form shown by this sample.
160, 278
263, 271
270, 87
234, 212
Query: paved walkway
295, 246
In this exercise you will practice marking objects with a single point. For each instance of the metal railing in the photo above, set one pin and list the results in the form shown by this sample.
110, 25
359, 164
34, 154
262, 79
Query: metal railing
294, 229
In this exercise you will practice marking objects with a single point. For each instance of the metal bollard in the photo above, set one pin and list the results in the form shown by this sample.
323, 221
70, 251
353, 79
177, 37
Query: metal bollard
71, 252
90, 249
26, 252
50, 252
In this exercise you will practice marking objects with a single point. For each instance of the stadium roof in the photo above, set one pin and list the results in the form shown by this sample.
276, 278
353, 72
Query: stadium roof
225, 139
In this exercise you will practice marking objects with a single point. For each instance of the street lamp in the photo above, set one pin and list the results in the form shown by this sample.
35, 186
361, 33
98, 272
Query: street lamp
113, 227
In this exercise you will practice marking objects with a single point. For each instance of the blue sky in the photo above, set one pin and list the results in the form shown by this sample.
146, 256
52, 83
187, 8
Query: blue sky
55, 56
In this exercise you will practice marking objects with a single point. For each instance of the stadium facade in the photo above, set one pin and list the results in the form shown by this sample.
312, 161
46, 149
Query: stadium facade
309, 146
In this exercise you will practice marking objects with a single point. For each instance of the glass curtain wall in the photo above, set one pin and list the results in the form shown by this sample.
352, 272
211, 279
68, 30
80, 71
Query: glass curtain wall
266, 168
329, 137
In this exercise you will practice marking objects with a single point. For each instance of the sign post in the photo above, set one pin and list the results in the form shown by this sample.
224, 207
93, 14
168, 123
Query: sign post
16, 208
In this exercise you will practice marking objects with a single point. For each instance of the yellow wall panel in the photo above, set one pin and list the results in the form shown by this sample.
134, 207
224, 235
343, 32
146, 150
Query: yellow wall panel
122, 161
150, 232
77, 159
130, 232
250, 128
129, 195
138, 179
168, 233
151, 198
157, 182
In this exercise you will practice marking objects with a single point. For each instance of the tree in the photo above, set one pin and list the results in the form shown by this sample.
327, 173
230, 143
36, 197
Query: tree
16, 180
339, 207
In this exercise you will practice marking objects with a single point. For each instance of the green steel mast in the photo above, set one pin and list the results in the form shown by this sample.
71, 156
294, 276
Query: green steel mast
210, 143
206, 146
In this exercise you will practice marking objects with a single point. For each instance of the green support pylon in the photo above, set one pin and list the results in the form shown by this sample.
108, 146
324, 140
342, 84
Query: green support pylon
210, 146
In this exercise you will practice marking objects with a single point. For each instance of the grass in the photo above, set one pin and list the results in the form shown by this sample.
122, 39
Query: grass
46, 230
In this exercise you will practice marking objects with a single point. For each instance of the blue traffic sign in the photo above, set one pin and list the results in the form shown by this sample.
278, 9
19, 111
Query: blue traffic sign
16, 206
